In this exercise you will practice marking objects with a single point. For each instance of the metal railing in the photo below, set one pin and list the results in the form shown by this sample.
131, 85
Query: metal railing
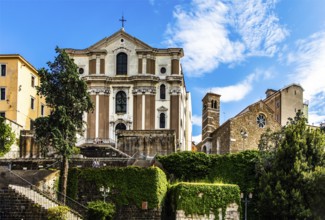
75, 207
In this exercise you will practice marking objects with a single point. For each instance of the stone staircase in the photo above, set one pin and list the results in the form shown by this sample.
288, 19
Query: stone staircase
40, 199
14, 206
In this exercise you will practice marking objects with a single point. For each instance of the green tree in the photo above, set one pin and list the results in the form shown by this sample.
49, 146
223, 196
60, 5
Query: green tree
316, 183
7, 137
66, 94
284, 189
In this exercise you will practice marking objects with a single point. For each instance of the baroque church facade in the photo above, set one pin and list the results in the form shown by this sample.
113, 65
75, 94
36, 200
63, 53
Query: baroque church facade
243, 131
139, 95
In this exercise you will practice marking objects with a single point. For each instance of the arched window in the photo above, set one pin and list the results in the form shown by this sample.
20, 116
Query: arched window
121, 64
162, 120
120, 126
120, 102
204, 150
162, 91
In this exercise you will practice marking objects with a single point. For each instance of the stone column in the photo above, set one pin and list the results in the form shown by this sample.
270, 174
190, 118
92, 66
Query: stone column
174, 110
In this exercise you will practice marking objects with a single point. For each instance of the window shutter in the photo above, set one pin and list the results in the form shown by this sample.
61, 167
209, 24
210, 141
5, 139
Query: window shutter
153, 67
92, 66
139, 65
102, 66
175, 66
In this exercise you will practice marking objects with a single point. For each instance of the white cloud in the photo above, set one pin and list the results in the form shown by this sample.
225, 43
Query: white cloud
309, 60
233, 93
197, 139
206, 30
197, 120
315, 119
257, 24
238, 91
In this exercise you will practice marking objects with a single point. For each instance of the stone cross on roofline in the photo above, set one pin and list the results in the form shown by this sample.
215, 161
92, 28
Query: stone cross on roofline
122, 20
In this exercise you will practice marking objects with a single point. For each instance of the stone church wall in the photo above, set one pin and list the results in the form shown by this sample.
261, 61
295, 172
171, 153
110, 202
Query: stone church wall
147, 142
247, 122
223, 134
229, 134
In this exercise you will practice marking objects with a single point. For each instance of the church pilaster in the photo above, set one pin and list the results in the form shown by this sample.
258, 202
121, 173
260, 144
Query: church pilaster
97, 65
97, 113
144, 107
98, 129
174, 109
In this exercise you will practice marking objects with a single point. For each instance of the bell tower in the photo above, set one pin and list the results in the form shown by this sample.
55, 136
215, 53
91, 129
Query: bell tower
210, 115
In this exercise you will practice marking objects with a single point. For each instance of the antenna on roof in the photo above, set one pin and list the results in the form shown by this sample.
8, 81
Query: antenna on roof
122, 20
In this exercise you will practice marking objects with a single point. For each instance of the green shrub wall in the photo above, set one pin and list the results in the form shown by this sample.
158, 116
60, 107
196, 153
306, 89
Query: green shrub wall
236, 168
129, 185
202, 198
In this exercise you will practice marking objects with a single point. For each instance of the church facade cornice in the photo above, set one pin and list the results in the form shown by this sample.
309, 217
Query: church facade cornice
144, 90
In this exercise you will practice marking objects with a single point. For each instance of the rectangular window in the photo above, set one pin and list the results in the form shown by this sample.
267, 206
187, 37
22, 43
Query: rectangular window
2, 114
3, 69
42, 110
32, 102
33, 81
2, 93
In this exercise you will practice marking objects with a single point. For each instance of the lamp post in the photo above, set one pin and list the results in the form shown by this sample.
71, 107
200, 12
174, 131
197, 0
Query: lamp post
104, 191
244, 135
246, 199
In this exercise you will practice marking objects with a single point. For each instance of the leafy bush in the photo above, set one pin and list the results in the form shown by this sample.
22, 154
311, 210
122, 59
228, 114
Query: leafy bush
100, 210
7, 137
58, 213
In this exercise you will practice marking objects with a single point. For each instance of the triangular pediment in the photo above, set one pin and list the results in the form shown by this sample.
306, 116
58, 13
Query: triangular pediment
117, 36
162, 109
261, 106
101, 46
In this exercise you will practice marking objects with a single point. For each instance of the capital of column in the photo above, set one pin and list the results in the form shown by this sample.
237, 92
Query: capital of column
144, 90
99, 91
175, 91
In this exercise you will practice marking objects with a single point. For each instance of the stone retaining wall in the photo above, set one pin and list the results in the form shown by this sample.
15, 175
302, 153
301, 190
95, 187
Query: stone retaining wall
232, 213
131, 212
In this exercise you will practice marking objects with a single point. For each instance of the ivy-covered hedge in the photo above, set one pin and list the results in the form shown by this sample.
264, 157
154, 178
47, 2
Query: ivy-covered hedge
236, 168
202, 198
186, 165
128, 185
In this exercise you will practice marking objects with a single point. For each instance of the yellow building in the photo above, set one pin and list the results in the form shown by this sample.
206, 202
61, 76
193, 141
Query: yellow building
19, 101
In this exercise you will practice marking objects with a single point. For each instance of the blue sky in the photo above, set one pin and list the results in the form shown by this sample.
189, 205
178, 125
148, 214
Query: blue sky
237, 48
